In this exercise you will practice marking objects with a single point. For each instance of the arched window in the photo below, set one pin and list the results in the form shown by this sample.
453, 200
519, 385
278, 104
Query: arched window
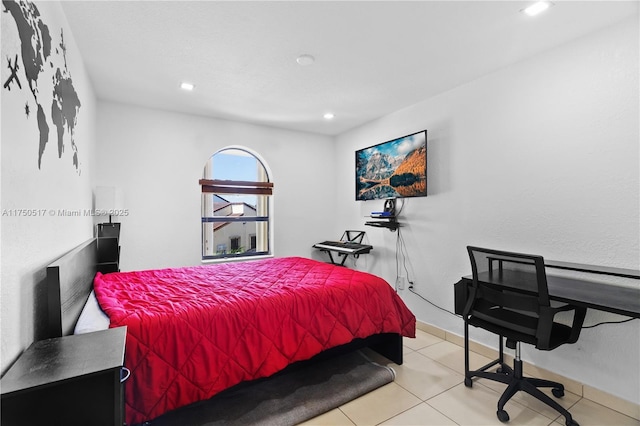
235, 205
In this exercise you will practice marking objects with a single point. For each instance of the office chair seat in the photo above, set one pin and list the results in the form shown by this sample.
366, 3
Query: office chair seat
560, 334
509, 297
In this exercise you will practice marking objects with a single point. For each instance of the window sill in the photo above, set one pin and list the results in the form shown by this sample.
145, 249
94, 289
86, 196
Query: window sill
237, 259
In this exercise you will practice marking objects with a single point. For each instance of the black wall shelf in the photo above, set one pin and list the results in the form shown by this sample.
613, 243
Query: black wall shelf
389, 222
108, 247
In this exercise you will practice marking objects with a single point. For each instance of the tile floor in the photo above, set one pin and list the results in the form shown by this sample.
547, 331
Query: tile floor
429, 390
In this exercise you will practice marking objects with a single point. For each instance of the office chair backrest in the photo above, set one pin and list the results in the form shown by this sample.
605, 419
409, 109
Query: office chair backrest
522, 271
509, 292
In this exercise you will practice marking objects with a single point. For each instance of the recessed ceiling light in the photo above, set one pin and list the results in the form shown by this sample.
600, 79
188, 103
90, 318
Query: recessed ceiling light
537, 7
329, 116
305, 60
187, 86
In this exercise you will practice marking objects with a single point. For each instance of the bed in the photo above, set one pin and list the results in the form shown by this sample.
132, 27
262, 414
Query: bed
193, 332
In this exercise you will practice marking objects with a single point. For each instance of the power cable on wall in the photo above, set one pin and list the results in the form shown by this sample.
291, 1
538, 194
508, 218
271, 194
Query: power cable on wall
401, 262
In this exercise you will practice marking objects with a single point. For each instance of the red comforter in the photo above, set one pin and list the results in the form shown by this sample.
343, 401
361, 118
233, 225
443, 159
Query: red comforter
193, 332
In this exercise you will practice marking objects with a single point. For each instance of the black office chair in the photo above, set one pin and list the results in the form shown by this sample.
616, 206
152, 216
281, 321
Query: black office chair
509, 297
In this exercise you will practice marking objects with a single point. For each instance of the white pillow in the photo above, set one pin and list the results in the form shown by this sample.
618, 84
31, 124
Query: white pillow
92, 318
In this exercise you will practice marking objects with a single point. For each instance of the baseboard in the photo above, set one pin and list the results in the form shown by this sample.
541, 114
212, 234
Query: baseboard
600, 397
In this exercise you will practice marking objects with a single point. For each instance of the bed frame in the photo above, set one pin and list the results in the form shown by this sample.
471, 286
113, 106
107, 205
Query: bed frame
70, 281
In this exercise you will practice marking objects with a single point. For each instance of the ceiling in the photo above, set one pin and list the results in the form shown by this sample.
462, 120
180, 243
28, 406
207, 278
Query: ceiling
371, 58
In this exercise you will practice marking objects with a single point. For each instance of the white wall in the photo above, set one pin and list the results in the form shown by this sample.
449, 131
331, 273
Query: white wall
539, 157
39, 234
157, 158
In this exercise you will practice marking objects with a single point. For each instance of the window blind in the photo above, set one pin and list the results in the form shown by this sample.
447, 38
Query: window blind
216, 186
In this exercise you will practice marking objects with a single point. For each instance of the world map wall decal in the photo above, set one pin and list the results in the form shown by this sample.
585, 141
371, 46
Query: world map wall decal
41, 66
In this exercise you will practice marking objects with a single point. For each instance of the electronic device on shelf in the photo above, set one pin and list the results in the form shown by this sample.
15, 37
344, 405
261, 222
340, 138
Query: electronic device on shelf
389, 207
393, 169
387, 218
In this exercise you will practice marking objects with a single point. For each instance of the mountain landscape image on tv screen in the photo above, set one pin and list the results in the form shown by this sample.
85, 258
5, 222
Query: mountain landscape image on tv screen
393, 169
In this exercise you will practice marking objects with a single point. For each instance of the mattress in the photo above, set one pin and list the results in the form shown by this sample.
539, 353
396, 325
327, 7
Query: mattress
193, 332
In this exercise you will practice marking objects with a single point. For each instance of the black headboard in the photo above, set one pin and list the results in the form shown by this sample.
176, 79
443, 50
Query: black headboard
69, 282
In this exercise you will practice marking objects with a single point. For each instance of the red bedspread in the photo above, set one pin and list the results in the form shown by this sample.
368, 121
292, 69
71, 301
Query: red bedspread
193, 332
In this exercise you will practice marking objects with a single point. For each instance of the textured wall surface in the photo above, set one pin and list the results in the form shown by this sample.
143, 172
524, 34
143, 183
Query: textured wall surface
540, 157
48, 139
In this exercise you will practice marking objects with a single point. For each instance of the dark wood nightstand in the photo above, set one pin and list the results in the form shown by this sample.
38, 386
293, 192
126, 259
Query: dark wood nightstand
71, 380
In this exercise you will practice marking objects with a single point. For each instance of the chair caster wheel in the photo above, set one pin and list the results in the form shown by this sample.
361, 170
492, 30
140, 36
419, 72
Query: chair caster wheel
503, 416
558, 393
467, 382
503, 370
572, 423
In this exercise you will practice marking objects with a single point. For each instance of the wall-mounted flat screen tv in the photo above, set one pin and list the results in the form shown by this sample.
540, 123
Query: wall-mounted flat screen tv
393, 169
